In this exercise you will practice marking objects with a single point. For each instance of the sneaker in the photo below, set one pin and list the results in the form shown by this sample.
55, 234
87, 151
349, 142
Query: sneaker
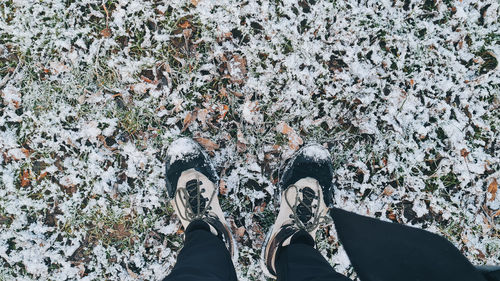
191, 185
306, 185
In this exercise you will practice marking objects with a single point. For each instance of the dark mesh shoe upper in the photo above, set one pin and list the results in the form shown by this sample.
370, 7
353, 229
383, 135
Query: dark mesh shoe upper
310, 161
184, 154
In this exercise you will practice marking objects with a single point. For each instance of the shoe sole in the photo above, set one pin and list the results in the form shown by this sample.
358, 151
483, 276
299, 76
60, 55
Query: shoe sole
263, 264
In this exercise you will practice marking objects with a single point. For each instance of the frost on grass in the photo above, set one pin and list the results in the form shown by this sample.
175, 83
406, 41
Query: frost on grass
404, 94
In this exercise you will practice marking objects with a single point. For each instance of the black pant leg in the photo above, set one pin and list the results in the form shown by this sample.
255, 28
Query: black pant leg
386, 251
302, 262
203, 257
492, 274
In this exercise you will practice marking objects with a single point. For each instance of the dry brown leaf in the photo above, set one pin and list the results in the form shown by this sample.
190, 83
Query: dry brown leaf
224, 111
195, 2
240, 231
207, 144
188, 119
240, 146
284, 128
294, 141
26, 152
25, 181
260, 208
496, 214
480, 254
222, 187
106, 32
202, 116
43, 175
492, 188
388, 191
237, 69
179, 231
147, 80
464, 152
237, 94
184, 24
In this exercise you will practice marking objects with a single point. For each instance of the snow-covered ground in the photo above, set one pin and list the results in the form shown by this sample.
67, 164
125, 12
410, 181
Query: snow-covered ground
405, 95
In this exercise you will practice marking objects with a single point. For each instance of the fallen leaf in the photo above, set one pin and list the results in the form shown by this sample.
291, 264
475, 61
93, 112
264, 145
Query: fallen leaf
188, 119
240, 146
147, 80
185, 24
179, 231
237, 94
16, 103
25, 178
496, 214
480, 254
26, 152
294, 140
222, 187
240, 231
106, 32
464, 152
207, 144
237, 68
492, 188
388, 191
43, 175
202, 116
224, 111
195, 2
284, 128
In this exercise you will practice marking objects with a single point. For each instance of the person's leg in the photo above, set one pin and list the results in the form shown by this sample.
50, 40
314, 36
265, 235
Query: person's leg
289, 253
203, 257
191, 182
493, 275
300, 261
386, 251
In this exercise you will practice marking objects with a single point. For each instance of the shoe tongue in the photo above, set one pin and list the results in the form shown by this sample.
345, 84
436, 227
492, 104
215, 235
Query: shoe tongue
196, 200
304, 209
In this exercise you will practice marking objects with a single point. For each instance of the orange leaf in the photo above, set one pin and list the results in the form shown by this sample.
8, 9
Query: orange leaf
188, 119
284, 128
43, 175
26, 152
464, 152
294, 141
492, 188
207, 144
225, 109
106, 32
388, 191
240, 231
25, 178
391, 216
185, 24
195, 2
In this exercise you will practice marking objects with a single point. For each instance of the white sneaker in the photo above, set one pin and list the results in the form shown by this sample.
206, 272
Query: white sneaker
191, 178
303, 201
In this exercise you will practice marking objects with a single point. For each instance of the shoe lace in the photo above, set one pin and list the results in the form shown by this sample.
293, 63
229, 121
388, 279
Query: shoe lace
191, 199
305, 215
